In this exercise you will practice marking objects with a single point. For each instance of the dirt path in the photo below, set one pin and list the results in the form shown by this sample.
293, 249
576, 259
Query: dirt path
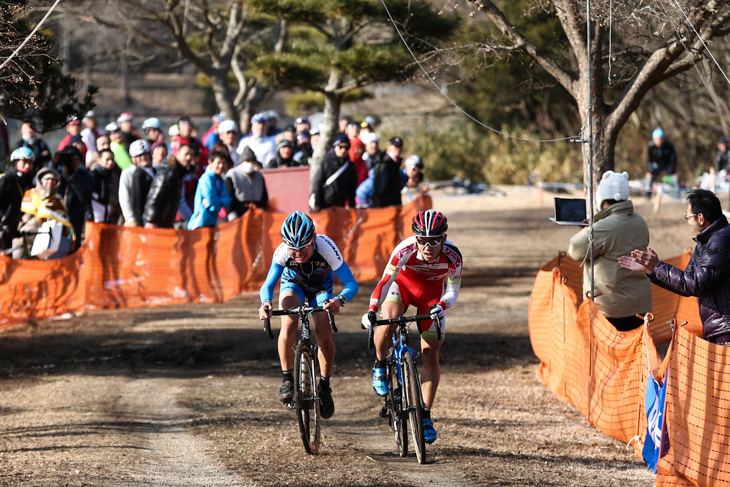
186, 395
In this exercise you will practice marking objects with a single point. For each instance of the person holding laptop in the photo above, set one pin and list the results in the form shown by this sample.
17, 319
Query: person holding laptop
617, 230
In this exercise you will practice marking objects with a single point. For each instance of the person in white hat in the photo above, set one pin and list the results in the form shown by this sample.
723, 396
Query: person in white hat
617, 230
229, 134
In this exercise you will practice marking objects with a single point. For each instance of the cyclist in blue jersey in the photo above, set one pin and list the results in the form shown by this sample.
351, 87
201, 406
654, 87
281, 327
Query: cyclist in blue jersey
306, 263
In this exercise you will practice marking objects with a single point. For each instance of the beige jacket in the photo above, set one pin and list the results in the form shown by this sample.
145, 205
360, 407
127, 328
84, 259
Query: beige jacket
617, 230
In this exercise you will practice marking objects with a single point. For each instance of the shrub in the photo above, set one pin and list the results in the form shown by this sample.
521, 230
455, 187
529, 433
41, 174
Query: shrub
462, 151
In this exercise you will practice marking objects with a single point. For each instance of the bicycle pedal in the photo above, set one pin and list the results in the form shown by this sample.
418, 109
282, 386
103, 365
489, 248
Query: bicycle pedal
384, 411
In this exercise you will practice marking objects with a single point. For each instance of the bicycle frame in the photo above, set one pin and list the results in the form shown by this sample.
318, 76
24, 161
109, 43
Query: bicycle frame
306, 363
399, 350
404, 402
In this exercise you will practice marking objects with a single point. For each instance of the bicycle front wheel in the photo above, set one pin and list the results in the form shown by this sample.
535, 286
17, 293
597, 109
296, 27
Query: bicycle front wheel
305, 400
397, 417
414, 406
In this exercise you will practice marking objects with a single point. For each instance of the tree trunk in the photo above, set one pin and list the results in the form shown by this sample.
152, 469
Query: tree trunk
222, 95
332, 103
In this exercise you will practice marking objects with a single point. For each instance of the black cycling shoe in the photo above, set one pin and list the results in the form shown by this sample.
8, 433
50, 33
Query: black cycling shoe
326, 404
286, 392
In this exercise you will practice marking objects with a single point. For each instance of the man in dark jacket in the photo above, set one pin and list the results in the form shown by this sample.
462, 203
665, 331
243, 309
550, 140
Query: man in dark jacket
102, 176
707, 275
13, 185
76, 189
387, 181
335, 182
163, 198
661, 161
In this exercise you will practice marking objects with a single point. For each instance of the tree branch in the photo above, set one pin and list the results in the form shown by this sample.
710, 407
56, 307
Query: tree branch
520, 42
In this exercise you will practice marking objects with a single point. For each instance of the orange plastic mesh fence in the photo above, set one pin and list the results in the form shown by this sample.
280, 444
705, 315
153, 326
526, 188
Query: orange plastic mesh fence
133, 267
697, 413
603, 372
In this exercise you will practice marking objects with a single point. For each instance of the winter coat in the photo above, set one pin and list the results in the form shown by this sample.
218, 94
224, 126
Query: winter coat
134, 185
163, 198
707, 276
386, 182
662, 159
245, 189
341, 191
76, 192
210, 197
617, 230
102, 184
12, 189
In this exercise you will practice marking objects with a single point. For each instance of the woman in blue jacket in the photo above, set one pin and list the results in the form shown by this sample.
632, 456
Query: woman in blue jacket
211, 194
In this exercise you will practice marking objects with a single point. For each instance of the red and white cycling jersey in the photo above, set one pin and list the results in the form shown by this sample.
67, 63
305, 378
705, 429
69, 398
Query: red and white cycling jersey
426, 282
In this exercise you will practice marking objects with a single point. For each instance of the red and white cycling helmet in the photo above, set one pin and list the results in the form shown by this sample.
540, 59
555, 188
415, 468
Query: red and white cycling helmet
429, 223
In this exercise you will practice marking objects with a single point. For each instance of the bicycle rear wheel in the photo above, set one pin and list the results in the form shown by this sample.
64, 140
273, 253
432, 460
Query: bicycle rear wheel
414, 406
305, 400
397, 418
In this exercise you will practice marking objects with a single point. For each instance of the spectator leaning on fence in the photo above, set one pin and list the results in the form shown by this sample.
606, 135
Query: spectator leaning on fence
246, 186
102, 176
76, 188
617, 229
211, 195
135, 182
707, 275
40, 204
13, 185
163, 198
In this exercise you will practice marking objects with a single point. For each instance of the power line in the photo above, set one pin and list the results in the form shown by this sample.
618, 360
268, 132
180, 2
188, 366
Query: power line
456, 105
701, 40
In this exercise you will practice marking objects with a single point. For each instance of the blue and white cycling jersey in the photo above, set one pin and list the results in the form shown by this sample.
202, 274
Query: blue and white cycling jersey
312, 279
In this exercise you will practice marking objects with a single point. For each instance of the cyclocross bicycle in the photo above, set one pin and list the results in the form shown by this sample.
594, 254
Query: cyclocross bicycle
306, 367
404, 401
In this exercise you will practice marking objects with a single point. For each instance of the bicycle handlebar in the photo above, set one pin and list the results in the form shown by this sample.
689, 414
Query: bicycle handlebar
402, 320
298, 310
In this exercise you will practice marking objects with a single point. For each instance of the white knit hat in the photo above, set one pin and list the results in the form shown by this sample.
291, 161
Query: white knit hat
613, 186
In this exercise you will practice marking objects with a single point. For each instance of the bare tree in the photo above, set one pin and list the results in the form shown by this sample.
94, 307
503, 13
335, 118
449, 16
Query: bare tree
32, 85
218, 38
650, 42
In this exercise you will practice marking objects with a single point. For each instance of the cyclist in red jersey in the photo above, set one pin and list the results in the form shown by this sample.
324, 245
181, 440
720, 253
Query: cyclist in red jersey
424, 271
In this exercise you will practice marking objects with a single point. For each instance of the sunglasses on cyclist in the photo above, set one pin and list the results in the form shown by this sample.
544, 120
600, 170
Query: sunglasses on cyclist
429, 241
300, 249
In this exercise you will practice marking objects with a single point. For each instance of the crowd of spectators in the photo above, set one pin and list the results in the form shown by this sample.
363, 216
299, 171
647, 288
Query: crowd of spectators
178, 179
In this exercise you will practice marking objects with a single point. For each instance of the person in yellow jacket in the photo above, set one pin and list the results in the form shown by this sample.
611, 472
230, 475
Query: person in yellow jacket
40, 204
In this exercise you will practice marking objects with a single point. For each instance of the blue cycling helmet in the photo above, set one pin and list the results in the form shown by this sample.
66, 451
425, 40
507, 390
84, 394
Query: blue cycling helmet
297, 230
22, 153
657, 134
151, 123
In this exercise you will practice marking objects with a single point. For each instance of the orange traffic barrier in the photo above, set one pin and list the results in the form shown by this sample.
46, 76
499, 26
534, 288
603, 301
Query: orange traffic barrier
603, 372
122, 267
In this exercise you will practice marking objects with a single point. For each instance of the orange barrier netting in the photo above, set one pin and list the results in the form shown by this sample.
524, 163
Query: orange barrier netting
132, 267
603, 372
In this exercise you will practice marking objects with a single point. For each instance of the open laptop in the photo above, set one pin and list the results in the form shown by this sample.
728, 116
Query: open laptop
570, 211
